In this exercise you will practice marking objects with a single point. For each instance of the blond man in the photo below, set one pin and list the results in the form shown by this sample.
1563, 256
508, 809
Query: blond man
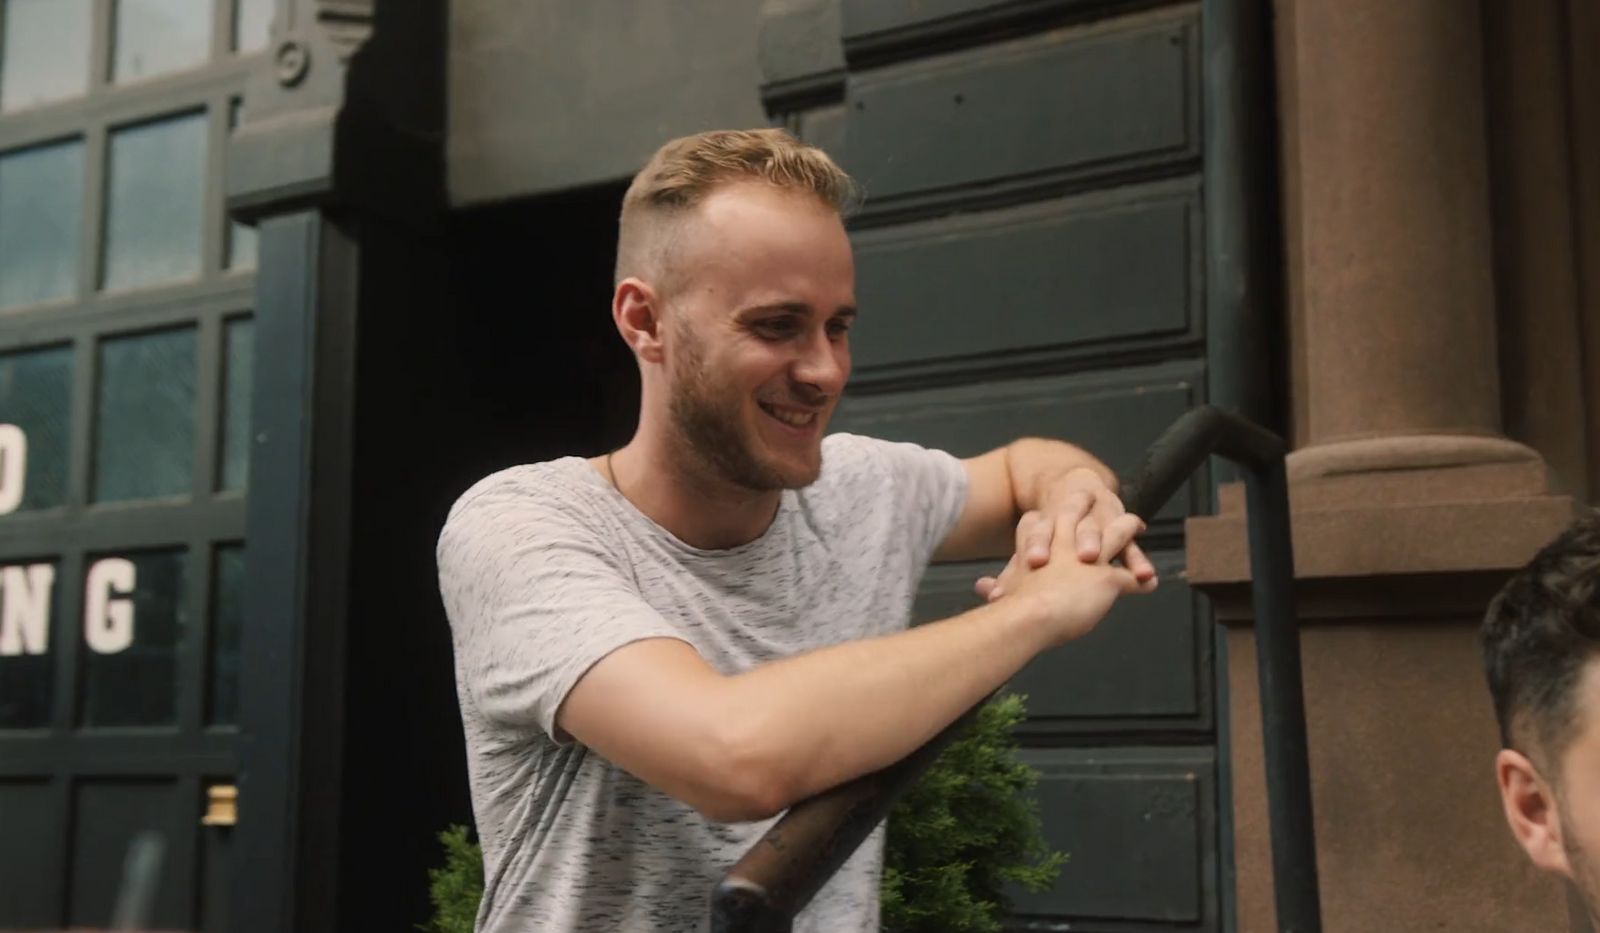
659, 649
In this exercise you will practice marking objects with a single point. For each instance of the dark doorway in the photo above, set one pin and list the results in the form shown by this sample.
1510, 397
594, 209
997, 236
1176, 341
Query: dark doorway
508, 356
544, 372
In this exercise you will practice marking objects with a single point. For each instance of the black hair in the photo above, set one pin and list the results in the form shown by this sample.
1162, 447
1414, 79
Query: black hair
1539, 634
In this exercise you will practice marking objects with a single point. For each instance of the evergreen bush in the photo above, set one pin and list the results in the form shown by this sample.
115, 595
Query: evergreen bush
957, 841
965, 832
456, 887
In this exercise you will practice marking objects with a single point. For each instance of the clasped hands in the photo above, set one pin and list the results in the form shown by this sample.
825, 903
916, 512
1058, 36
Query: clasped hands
1080, 503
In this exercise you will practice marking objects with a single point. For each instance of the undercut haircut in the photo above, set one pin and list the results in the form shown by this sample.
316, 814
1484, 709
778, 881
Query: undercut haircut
1540, 633
686, 170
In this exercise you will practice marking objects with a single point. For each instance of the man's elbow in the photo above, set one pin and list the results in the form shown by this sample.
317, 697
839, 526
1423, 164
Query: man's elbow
738, 806
745, 782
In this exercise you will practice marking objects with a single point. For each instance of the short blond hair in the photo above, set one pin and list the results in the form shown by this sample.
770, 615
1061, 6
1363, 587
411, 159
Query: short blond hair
686, 170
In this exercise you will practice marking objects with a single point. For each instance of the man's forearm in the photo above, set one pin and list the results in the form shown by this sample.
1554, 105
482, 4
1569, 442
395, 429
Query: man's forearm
816, 720
1036, 465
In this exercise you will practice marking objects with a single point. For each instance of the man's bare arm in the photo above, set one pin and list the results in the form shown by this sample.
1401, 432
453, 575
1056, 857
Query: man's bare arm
1015, 494
747, 746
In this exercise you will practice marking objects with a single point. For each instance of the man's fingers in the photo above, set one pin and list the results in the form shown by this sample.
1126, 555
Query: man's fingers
1069, 519
1126, 581
1088, 538
985, 586
1034, 532
1120, 532
1006, 575
1135, 560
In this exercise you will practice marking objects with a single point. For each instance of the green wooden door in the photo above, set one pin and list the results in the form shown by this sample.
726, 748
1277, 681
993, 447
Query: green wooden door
125, 361
1030, 262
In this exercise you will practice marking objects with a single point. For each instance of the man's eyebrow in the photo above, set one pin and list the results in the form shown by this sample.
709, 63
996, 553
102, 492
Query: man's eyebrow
796, 307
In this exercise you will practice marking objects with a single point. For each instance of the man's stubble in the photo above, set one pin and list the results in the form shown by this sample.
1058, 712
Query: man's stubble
708, 419
1584, 876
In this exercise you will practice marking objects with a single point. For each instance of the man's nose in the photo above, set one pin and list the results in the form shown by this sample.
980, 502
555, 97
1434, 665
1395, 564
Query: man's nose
823, 364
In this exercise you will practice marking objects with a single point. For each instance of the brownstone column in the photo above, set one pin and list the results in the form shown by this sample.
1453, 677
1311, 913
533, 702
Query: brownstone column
1410, 504
1396, 257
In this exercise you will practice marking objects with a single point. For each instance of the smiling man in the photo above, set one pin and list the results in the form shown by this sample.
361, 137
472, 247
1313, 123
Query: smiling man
1541, 646
659, 649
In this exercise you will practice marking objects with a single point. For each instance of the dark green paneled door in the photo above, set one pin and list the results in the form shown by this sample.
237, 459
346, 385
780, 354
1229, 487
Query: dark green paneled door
1030, 262
125, 360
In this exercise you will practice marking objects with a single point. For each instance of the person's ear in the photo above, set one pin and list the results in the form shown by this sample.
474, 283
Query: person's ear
1532, 811
636, 309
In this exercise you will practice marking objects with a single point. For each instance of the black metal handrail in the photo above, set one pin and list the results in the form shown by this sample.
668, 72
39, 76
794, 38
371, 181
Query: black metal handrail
803, 849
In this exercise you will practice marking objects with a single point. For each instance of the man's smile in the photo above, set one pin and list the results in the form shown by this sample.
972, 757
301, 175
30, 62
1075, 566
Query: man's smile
793, 417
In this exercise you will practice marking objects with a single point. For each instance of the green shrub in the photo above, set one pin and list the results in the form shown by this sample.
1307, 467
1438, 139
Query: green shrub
965, 832
957, 840
457, 886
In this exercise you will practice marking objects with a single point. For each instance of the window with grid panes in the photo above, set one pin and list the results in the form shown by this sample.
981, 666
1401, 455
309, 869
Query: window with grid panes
125, 362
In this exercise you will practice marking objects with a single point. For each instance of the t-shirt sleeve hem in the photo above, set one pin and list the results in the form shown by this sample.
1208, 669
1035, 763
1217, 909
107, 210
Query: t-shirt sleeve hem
954, 501
580, 662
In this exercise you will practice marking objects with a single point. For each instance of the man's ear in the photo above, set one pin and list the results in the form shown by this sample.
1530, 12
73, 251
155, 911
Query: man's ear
636, 309
1532, 811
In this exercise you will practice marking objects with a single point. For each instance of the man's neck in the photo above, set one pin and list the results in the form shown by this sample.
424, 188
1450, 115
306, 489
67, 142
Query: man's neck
699, 509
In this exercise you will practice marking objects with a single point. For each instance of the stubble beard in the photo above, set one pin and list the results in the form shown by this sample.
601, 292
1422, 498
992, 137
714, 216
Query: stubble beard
710, 424
1584, 878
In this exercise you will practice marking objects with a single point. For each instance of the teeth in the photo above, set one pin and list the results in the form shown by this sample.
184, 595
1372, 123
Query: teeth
794, 419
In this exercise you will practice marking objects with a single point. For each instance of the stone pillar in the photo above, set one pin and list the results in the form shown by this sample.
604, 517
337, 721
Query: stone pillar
1536, 224
1394, 196
1410, 505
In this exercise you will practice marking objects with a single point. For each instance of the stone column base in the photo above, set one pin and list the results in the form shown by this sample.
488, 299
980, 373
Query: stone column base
1393, 573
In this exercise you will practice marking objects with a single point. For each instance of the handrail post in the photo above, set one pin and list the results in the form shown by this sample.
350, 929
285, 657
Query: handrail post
1283, 716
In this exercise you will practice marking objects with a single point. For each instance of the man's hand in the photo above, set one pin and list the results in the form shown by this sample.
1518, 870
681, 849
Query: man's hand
1072, 595
1082, 505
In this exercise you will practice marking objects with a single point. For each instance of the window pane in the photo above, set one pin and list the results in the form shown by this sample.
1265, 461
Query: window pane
236, 405
252, 24
144, 417
134, 616
156, 36
41, 203
35, 396
241, 237
154, 212
227, 614
27, 642
45, 56
242, 246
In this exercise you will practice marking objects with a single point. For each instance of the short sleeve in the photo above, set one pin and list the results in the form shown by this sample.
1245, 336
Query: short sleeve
534, 600
928, 487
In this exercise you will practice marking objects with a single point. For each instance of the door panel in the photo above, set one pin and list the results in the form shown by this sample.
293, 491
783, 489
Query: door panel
30, 813
1065, 275
1115, 414
1065, 102
1135, 825
1149, 661
1147, 666
107, 815
865, 20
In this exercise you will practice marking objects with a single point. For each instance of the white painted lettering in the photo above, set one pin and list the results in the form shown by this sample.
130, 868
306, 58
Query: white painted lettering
13, 467
25, 609
107, 610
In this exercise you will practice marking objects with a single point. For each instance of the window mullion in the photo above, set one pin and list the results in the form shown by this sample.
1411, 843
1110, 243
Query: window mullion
100, 40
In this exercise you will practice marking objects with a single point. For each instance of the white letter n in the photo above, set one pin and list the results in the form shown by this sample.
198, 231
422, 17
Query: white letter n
25, 609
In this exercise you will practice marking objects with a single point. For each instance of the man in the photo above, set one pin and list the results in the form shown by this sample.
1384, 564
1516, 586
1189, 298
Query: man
659, 649
1541, 645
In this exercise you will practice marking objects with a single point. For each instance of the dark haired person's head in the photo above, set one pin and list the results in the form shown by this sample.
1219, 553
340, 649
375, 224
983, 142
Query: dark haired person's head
1541, 648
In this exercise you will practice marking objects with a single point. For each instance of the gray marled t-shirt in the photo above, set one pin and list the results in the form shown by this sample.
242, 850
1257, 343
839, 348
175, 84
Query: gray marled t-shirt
545, 569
